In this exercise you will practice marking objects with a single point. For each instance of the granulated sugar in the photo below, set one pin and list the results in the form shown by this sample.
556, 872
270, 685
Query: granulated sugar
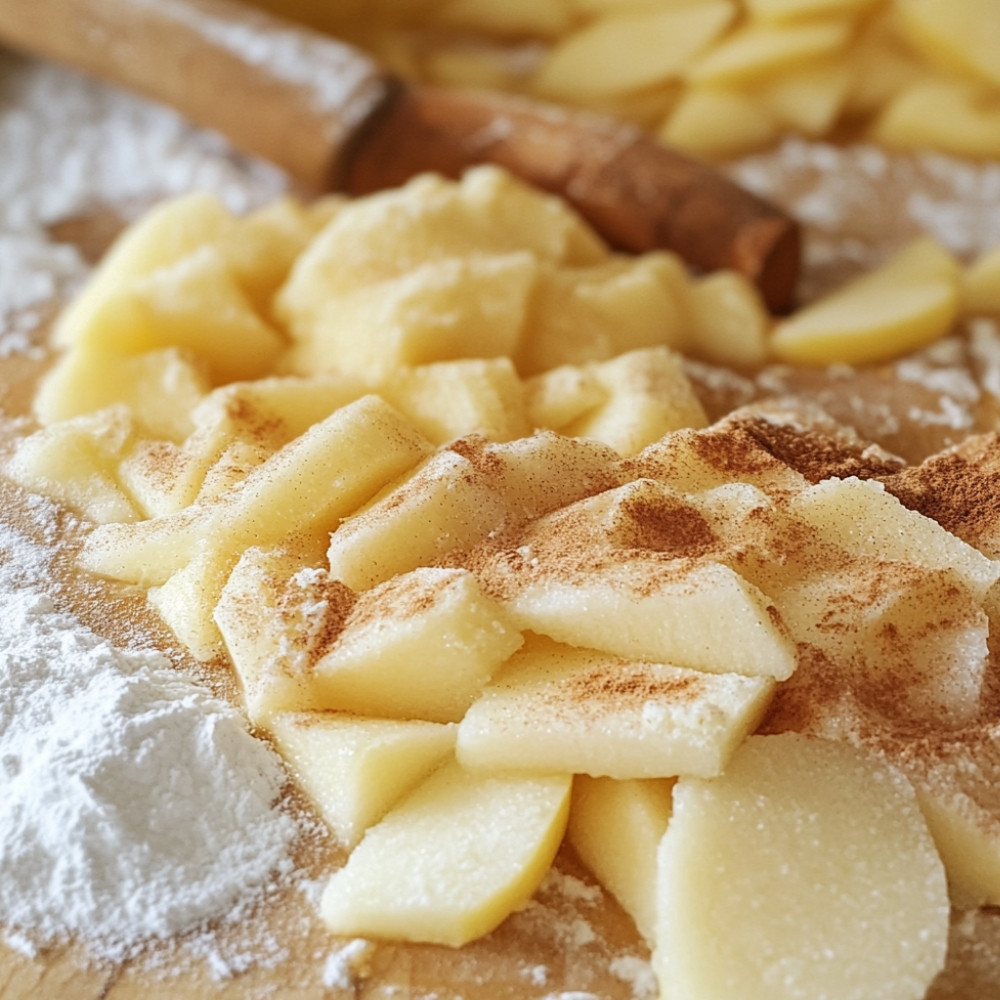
135, 805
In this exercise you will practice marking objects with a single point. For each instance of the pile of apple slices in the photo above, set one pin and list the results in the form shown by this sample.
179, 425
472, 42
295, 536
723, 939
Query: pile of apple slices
426, 469
718, 78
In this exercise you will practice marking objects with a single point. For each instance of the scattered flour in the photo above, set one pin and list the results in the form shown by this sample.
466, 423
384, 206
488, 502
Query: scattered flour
858, 203
135, 805
347, 966
69, 144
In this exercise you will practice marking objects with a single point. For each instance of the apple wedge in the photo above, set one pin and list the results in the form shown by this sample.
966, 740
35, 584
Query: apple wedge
355, 769
452, 860
162, 237
634, 605
75, 461
160, 388
560, 708
907, 303
981, 285
616, 827
419, 646
863, 518
961, 36
323, 475
805, 871
661, 44
760, 50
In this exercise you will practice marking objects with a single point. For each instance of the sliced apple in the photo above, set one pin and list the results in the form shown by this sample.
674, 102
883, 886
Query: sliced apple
160, 388
485, 396
277, 614
76, 461
956, 782
647, 395
195, 304
323, 475
906, 643
954, 116
446, 503
695, 614
452, 860
162, 237
907, 303
717, 122
793, 10
959, 35
981, 285
560, 708
661, 44
587, 314
760, 50
456, 307
616, 828
809, 99
861, 516
420, 646
805, 869
355, 769
729, 320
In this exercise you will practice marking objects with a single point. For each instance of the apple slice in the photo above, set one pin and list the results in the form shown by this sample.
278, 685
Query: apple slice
161, 238
437, 311
805, 871
959, 35
195, 304
907, 303
793, 10
761, 50
160, 388
485, 396
559, 708
443, 504
616, 828
660, 43
956, 782
355, 769
452, 860
75, 462
730, 320
647, 395
716, 122
863, 518
951, 115
632, 604
308, 485
419, 646
981, 285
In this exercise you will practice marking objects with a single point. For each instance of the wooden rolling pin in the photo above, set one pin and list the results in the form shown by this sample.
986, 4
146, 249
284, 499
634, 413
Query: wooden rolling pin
336, 120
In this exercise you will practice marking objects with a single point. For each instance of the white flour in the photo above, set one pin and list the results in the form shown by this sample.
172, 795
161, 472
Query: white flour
135, 805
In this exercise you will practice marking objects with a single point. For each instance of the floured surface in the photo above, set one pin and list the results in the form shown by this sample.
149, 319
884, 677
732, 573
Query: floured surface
571, 937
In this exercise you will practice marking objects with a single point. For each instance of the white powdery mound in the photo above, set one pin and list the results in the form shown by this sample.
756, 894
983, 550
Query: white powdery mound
135, 804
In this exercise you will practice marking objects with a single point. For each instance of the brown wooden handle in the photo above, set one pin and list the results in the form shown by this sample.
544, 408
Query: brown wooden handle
293, 96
